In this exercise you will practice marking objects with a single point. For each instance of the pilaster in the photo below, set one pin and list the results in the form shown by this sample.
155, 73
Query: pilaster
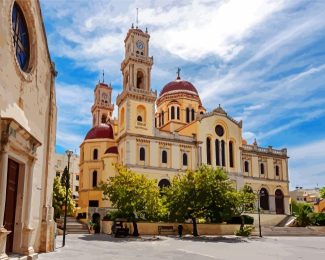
3, 183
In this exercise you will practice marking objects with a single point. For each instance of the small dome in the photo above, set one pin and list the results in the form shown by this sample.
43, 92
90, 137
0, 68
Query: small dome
178, 85
100, 131
112, 149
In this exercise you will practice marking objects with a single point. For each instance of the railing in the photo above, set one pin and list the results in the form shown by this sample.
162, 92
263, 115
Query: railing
255, 148
174, 136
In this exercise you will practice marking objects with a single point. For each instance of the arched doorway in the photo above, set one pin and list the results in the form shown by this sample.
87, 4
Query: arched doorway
279, 202
264, 199
164, 183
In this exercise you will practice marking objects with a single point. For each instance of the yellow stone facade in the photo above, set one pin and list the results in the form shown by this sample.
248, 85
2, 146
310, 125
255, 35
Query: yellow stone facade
161, 136
27, 131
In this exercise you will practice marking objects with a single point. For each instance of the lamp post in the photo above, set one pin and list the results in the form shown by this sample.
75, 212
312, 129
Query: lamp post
67, 184
259, 194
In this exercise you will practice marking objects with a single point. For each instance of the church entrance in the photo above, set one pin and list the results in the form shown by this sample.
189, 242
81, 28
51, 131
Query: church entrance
279, 203
11, 198
264, 199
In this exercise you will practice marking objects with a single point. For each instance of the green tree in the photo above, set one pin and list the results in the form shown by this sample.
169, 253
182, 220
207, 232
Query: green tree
322, 192
59, 198
243, 201
134, 195
204, 193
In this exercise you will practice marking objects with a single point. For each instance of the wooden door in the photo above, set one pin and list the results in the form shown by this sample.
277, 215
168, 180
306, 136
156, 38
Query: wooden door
11, 198
279, 202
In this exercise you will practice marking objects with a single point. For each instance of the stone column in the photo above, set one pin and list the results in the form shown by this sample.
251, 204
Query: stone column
3, 188
272, 203
27, 247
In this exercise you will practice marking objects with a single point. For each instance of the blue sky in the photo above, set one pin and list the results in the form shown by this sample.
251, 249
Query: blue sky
263, 61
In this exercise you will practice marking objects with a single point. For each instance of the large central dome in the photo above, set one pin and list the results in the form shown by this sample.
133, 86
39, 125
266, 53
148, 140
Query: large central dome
178, 85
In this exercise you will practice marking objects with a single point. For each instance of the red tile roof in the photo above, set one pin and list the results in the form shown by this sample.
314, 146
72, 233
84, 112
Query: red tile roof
100, 131
180, 85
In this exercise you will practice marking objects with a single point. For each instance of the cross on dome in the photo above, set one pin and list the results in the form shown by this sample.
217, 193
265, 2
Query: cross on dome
178, 73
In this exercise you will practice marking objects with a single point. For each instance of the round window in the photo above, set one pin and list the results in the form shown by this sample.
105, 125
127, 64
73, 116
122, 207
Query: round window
20, 37
219, 130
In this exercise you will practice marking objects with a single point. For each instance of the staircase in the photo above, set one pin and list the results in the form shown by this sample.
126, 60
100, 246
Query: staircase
73, 226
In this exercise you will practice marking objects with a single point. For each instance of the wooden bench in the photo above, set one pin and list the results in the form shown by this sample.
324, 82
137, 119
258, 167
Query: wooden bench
165, 229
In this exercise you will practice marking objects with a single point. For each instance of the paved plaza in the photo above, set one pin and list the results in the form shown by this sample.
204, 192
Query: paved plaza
228, 247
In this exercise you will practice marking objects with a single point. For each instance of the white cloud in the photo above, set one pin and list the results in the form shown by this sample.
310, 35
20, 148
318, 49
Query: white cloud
307, 164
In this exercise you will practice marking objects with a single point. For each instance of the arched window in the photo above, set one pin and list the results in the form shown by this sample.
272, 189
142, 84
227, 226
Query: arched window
231, 155
164, 156
162, 118
262, 168
95, 154
193, 114
94, 178
217, 152
141, 113
277, 170
246, 166
264, 199
164, 183
20, 37
172, 112
177, 113
223, 153
184, 159
104, 119
155, 121
142, 154
140, 80
187, 115
208, 151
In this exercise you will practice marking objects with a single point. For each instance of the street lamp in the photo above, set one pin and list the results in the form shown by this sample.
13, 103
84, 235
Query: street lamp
67, 185
259, 194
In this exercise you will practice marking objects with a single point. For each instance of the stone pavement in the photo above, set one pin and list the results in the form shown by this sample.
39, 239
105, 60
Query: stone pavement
228, 247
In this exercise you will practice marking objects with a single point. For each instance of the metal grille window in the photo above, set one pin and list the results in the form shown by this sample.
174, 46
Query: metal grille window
20, 37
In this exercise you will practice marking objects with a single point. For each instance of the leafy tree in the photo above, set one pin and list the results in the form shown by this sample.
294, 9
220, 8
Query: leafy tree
243, 201
134, 195
59, 198
322, 192
203, 193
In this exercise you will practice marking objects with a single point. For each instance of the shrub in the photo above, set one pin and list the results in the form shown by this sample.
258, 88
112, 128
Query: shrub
302, 212
248, 220
112, 215
245, 231
317, 219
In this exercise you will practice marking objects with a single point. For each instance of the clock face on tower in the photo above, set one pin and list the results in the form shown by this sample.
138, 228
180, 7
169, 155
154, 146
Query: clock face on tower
140, 45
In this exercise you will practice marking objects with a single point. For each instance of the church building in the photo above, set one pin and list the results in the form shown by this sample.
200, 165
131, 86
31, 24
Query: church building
163, 135
27, 132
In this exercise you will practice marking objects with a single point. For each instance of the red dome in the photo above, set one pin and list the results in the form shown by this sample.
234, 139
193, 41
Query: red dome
112, 149
178, 85
100, 131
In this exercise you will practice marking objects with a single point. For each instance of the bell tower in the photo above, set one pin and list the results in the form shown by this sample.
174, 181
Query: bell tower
136, 103
102, 109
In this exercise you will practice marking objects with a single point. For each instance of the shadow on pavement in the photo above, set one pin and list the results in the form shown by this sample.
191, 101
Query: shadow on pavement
214, 239
110, 238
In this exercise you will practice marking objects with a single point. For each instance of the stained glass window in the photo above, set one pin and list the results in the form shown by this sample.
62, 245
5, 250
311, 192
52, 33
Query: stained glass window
20, 37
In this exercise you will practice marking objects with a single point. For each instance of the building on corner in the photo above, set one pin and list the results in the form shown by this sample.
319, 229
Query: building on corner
27, 131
